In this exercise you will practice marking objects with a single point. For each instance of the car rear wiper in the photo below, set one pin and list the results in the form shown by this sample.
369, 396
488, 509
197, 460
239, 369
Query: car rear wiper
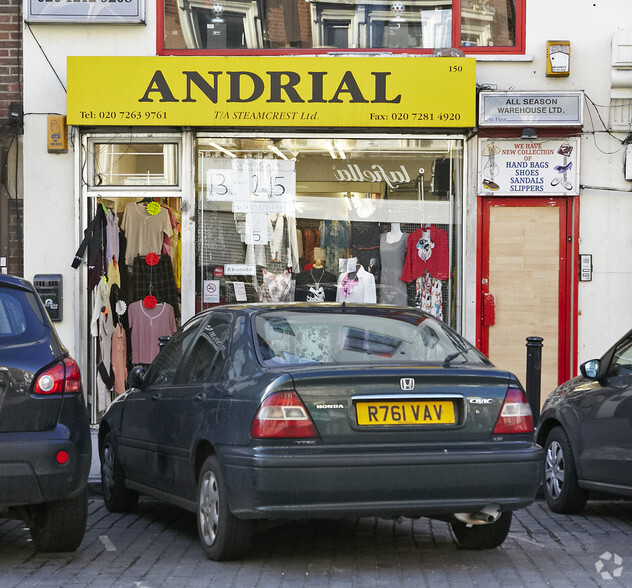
449, 358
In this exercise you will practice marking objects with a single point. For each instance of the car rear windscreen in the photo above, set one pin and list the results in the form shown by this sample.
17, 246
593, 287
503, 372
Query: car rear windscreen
21, 319
287, 337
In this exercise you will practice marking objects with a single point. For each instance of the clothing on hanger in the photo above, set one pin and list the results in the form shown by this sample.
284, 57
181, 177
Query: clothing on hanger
145, 232
146, 326
426, 250
94, 241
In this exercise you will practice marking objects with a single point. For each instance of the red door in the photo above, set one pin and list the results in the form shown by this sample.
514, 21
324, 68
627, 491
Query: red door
528, 283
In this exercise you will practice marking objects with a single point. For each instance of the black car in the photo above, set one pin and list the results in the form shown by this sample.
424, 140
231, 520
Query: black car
586, 431
321, 410
45, 445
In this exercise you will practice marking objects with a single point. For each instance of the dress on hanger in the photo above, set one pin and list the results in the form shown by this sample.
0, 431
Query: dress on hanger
335, 239
392, 289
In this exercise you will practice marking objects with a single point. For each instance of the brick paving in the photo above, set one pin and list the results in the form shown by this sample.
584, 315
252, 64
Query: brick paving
157, 546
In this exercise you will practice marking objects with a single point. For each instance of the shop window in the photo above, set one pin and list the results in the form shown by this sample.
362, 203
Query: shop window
131, 248
322, 219
135, 164
288, 26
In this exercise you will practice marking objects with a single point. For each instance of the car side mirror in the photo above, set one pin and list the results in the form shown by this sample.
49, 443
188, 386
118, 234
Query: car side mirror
590, 369
135, 377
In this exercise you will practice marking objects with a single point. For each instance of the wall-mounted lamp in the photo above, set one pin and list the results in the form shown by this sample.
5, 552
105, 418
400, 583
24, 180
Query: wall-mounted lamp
528, 133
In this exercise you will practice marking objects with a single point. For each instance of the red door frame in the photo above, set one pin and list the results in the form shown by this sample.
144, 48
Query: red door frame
568, 275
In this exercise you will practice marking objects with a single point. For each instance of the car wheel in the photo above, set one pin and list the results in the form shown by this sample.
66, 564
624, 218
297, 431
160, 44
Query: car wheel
116, 496
60, 525
485, 536
561, 490
223, 535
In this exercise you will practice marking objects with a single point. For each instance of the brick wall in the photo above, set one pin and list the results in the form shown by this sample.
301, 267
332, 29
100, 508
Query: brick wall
10, 56
11, 227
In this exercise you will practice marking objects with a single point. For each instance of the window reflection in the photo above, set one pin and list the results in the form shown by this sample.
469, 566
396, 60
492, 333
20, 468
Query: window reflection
488, 23
337, 24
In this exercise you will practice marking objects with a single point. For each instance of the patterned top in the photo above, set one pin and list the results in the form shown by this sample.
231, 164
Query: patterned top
335, 239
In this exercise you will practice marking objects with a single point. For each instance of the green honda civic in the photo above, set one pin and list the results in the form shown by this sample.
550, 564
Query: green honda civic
299, 410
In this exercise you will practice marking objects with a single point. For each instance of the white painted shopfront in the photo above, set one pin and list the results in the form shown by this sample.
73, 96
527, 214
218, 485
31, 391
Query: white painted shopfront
354, 165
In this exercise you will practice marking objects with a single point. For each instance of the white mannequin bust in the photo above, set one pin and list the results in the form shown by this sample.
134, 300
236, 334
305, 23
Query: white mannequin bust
395, 234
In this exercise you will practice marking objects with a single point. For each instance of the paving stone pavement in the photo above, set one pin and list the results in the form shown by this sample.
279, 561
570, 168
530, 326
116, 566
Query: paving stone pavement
157, 546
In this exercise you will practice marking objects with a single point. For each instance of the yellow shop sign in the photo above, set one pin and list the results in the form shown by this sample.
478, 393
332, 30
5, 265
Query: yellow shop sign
356, 92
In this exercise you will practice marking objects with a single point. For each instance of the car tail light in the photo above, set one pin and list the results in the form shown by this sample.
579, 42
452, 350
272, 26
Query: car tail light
62, 378
282, 415
515, 415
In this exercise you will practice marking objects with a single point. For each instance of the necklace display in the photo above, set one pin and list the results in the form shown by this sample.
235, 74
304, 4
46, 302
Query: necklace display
316, 292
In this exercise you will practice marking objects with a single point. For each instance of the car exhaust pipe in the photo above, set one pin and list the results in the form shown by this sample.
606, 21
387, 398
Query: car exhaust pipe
486, 515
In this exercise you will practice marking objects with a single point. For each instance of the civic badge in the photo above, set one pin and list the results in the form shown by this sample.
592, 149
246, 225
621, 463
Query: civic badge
407, 384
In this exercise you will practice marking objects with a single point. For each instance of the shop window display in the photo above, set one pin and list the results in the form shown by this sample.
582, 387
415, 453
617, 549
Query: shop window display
354, 220
132, 250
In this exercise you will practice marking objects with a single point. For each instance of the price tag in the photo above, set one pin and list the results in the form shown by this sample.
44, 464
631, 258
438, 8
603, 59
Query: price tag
257, 229
219, 180
265, 180
264, 184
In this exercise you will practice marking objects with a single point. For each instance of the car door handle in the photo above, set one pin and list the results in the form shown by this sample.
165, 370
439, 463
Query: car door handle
156, 396
199, 397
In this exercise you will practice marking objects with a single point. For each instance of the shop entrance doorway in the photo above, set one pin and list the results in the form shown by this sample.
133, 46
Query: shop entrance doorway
528, 284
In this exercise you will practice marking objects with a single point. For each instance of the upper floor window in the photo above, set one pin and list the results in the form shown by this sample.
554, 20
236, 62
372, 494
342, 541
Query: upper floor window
322, 26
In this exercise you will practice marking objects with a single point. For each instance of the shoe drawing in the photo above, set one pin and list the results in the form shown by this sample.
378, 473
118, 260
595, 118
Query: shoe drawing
490, 185
563, 168
565, 149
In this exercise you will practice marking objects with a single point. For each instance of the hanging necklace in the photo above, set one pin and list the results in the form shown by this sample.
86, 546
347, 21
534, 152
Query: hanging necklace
316, 292
317, 281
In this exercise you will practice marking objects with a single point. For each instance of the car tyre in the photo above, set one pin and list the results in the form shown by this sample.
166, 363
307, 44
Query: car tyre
222, 534
561, 489
116, 496
60, 525
487, 536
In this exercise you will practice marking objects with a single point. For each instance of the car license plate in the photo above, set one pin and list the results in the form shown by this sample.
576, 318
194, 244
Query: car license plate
415, 412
